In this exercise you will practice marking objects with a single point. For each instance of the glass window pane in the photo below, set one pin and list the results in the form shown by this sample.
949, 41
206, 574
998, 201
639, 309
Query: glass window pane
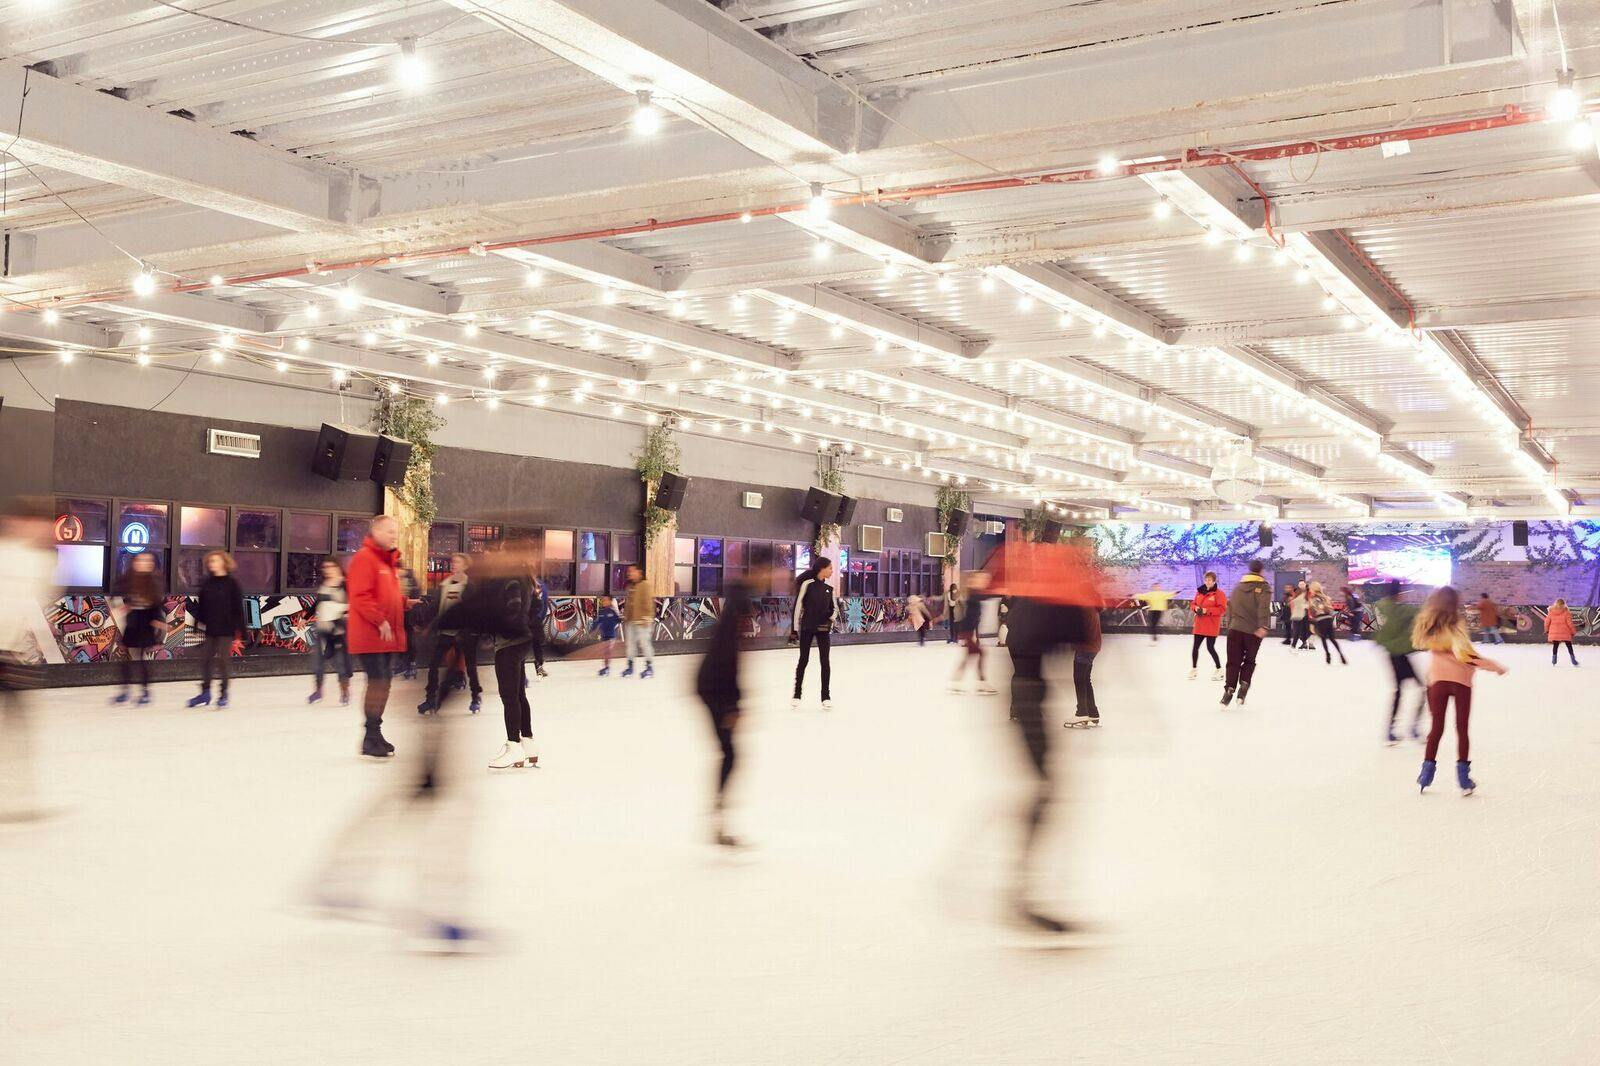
625, 548
710, 581
591, 578
191, 569
481, 536
444, 538
142, 525
558, 545
802, 558
304, 570
203, 527
594, 547
258, 571
683, 551
557, 578
255, 529
783, 559
683, 580
734, 553
82, 522
80, 565
351, 532
710, 551
309, 532
619, 577
124, 562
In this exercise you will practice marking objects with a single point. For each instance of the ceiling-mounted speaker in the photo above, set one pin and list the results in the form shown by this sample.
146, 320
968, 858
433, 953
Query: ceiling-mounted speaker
1266, 535
958, 522
344, 453
820, 506
846, 512
670, 490
390, 458
1519, 534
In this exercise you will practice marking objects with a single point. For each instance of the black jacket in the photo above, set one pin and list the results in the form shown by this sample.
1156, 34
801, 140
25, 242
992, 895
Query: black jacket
717, 682
815, 608
495, 607
219, 608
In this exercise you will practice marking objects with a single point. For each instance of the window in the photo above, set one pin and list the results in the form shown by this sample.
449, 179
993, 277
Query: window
351, 532
624, 552
782, 569
593, 555
310, 538
200, 530
734, 560
557, 569
444, 541
141, 530
255, 549
80, 566
708, 557
81, 529
481, 536
683, 555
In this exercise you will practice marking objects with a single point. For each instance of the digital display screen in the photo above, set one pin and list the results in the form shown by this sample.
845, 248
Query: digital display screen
1409, 558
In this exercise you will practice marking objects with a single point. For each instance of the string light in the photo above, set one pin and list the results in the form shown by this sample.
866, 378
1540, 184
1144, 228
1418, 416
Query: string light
51, 316
301, 344
410, 69
534, 278
819, 206
144, 283
646, 116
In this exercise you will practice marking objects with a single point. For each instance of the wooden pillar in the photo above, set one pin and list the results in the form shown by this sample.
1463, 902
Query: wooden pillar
413, 543
830, 549
658, 557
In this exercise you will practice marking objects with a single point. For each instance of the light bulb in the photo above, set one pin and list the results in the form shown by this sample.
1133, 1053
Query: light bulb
301, 344
819, 206
348, 299
216, 356
646, 116
51, 316
143, 359
470, 329
283, 367
410, 69
144, 333
1163, 209
66, 356
1109, 165
745, 216
1580, 135
821, 250
494, 403
144, 283
1564, 103
535, 278
217, 281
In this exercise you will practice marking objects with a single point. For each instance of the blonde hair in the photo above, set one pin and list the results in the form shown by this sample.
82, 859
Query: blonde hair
1559, 603
1315, 588
228, 565
1440, 627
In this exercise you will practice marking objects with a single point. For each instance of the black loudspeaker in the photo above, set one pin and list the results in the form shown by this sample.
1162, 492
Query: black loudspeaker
669, 493
345, 453
820, 507
390, 459
847, 511
1052, 533
1266, 535
1519, 534
958, 522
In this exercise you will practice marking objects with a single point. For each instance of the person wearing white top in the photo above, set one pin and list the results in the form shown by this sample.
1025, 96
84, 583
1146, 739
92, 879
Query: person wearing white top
816, 612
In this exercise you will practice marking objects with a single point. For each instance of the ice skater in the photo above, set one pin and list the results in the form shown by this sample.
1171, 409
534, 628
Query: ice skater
1156, 602
1319, 609
1210, 603
917, 617
717, 680
500, 604
27, 561
143, 628
952, 610
1559, 629
608, 623
1440, 630
451, 644
967, 630
1083, 654
1393, 635
638, 618
816, 612
375, 628
1299, 623
1489, 620
329, 614
1245, 619
219, 612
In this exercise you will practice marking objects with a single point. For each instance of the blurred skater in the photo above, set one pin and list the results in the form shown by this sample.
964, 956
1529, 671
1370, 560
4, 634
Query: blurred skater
219, 612
1003, 610
1439, 629
411, 591
608, 623
973, 595
638, 619
142, 626
1083, 653
717, 680
1319, 609
1355, 612
330, 614
499, 603
450, 643
816, 612
27, 561
1156, 602
1209, 604
1395, 620
376, 626
1489, 620
541, 615
952, 611
1245, 619
917, 617
1299, 621
1559, 629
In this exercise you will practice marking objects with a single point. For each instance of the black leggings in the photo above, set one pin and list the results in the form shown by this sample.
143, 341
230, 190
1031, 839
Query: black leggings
1325, 634
137, 662
1211, 646
465, 646
214, 657
511, 675
1242, 649
823, 638
724, 717
1555, 650
1403, 672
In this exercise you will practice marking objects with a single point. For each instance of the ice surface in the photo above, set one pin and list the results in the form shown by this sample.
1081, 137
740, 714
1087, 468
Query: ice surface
1266, 884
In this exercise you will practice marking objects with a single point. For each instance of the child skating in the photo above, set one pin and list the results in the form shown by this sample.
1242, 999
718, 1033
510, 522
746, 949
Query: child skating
1559, 629
1441, 631
607, 622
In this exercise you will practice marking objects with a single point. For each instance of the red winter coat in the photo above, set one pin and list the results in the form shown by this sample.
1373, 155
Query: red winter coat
373, 586
1208, 608
1558, 625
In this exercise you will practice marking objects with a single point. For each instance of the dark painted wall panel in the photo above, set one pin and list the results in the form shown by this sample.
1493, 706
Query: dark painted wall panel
123, 451
27, 451
523, 490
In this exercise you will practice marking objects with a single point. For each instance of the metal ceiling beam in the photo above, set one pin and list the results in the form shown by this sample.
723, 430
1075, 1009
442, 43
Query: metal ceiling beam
383, 364
521, 350
958, 391
597, 263
868, 229
831, 306
376, 288
192, 309
96, 135
644, 326
1066, 291
699, 63
31, 327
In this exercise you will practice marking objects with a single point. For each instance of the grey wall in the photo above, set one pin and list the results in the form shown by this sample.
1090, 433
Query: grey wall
27, 450
522, 490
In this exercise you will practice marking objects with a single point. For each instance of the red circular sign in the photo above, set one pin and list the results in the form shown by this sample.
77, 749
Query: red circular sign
69, 529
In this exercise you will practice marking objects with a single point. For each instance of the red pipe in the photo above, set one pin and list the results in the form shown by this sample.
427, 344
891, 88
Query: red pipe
1511, 116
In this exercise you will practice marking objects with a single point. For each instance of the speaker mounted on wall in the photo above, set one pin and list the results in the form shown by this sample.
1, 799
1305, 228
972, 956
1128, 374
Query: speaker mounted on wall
1266, 535
958, 522
1519, 533
389, 460
345, 453
670, 490
846, 512
820, 506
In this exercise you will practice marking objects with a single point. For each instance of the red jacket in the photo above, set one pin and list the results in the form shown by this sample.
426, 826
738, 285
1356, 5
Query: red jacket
1558, 624
1208, 608
373, 586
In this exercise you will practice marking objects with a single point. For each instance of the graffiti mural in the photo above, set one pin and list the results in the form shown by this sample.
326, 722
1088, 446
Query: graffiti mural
84, 629
279, 624
571, 621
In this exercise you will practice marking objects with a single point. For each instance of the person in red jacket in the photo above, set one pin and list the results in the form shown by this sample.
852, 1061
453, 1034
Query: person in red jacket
1559, 629
375, 629
1209, 603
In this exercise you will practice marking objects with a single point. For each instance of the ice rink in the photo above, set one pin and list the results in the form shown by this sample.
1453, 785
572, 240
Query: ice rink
1265, 884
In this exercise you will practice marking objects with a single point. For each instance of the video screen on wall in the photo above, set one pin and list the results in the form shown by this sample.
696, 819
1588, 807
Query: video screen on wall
1409, 558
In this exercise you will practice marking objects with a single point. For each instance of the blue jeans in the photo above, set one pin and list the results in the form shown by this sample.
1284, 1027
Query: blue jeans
330, 646
1490, 635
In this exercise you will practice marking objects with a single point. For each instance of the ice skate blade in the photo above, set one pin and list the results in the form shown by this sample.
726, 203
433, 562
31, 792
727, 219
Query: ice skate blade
1081, 723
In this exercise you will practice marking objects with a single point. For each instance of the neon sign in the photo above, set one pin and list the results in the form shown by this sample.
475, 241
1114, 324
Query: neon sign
135, 537
69, 529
